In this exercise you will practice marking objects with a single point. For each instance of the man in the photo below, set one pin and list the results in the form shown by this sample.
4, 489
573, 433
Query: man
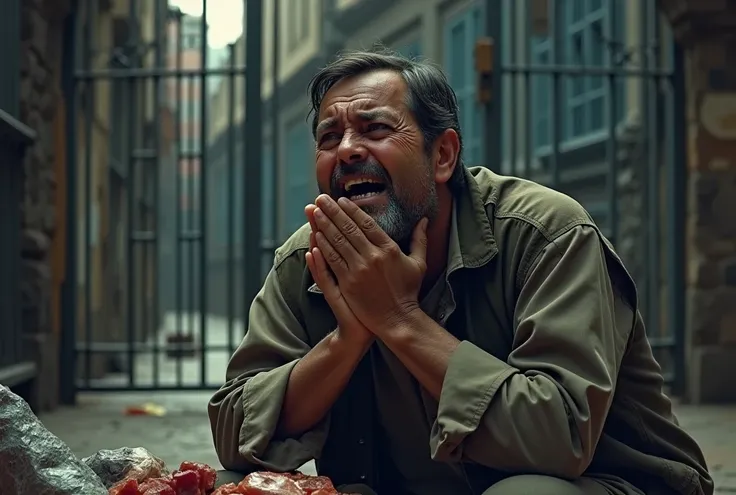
440, 330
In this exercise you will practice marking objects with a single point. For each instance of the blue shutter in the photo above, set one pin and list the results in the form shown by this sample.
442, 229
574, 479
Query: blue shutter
461, 32
299, 175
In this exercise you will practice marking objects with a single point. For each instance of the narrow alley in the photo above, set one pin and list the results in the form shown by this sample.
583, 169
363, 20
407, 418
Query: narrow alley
183, 433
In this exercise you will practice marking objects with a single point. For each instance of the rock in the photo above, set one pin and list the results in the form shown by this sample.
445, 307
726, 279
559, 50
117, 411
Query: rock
35, 461
112, 466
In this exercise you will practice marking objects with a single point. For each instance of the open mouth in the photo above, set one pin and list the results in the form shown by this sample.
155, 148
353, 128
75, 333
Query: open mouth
362, 188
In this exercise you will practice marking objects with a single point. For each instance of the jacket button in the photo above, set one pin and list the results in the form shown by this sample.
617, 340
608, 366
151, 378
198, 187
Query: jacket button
362, 477
361, 441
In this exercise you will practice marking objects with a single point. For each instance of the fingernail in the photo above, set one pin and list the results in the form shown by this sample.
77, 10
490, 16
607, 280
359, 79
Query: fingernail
318, 213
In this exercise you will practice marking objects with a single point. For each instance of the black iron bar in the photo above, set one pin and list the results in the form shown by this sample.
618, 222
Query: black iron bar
230, 280
178, 191
492, 110
674, 116
203, 170
131, 199
253, 141
68, 354
556, 44
148, 72
612, 138
511, 81
583, 70
89, 117
157, 107
193, 170
529, 131
275, 124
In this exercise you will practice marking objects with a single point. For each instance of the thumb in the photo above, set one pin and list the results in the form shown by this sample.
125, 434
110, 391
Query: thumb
418, 248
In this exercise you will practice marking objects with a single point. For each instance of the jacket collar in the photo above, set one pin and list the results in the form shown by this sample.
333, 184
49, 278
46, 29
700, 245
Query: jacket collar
472, 243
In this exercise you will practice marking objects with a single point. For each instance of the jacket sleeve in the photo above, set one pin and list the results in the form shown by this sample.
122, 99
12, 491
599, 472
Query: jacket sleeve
244, 413
544, 409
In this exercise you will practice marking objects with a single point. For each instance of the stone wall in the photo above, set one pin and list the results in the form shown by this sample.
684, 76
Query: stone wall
41, 43
709, 43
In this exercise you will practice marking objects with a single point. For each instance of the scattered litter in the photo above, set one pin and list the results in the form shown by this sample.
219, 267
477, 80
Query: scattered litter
148, 409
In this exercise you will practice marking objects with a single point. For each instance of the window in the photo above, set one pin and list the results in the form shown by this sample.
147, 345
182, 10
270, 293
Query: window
298, 23
583, 100
413, 49
299, 175
460, 34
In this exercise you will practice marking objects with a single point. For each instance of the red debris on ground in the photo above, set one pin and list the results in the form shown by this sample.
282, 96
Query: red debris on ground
199, 479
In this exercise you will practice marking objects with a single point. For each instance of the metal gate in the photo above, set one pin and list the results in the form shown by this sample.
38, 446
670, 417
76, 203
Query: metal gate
585, 96
141, 274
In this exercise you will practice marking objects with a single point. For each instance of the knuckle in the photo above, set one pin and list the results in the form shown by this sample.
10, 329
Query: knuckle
368, 223
349, 227
374, 258
392, 250
333, 256
338, 239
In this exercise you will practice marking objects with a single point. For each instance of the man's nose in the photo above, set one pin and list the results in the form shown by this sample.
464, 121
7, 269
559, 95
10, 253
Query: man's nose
351, 149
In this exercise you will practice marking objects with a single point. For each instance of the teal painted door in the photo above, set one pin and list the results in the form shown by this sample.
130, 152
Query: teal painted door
460, 34
299, 175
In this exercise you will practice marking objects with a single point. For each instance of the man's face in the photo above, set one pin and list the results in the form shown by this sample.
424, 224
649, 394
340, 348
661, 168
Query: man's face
370, 149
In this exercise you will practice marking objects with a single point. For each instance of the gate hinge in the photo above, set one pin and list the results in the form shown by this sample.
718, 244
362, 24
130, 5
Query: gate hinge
484, 65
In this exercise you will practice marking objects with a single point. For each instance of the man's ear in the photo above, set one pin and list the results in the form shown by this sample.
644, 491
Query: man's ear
446, 153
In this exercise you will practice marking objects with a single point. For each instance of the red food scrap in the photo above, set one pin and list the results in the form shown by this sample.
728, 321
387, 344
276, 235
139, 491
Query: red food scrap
125, 487
207, 475
229, 489
199, 479
156, 486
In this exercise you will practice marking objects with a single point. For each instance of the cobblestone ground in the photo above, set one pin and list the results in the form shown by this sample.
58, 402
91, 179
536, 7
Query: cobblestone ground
183, 433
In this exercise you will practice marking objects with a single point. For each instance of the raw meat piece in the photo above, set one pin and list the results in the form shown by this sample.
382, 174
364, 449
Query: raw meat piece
312, 484
265, 483
229, 489
125, 487
207, 475
136, 463
156, 486
33, 461
187, 483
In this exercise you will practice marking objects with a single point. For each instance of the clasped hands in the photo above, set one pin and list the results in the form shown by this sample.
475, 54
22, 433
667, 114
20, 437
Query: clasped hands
369, 283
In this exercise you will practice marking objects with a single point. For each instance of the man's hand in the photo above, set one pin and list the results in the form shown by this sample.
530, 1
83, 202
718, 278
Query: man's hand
374, 279
349, 327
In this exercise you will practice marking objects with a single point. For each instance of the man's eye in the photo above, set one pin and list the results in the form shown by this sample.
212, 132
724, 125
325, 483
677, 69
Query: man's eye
327, 138
376, 127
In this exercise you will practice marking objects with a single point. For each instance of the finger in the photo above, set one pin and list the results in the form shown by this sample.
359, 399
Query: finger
365, 222
336, 262
418, 248
344, 223
321, 274
336, 238
309, 213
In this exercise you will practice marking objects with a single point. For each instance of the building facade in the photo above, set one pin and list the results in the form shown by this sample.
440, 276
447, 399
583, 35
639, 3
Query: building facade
592, 103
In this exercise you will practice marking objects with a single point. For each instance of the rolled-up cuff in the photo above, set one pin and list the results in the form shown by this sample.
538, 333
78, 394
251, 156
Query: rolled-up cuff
263, 398
472, 379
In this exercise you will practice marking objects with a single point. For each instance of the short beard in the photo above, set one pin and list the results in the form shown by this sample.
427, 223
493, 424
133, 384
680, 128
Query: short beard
400, 215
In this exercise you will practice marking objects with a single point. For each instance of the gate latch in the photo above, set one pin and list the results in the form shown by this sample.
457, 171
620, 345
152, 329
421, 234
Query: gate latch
484, 64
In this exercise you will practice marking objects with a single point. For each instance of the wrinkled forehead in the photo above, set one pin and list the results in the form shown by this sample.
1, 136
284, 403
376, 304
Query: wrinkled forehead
372, 91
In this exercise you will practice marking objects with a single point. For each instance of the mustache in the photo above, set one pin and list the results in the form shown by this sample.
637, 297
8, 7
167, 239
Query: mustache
370, 168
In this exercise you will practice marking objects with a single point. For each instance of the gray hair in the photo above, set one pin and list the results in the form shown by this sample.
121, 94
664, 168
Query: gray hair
429, 97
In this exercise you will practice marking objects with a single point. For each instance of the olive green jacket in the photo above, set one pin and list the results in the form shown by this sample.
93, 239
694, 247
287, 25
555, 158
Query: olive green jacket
554, 373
